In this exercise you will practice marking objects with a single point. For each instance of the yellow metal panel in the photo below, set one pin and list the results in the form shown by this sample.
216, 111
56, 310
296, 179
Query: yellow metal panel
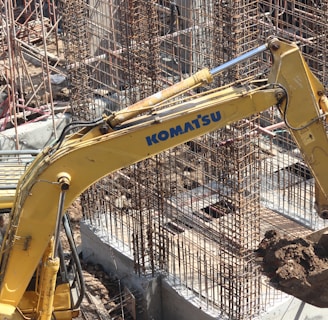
35, 207
7, 198
28, 302
302, 113
62, 299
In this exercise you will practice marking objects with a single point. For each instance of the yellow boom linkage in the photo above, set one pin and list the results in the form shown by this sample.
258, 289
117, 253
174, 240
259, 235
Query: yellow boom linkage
61, 172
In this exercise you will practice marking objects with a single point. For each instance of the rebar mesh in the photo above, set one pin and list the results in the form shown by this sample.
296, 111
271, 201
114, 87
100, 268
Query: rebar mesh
194, 213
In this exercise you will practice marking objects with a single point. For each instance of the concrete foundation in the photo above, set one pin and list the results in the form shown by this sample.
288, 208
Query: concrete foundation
96, 250
158, 299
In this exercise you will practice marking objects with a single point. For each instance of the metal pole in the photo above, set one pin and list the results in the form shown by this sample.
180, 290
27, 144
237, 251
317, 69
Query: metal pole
58, 221
239, 59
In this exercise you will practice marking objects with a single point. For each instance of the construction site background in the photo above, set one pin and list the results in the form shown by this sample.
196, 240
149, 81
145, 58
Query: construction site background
196, 213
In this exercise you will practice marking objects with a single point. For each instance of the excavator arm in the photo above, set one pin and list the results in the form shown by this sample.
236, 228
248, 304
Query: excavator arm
60, 173
304, 112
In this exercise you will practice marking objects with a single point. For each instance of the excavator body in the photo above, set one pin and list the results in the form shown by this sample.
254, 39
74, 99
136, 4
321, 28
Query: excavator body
63, 170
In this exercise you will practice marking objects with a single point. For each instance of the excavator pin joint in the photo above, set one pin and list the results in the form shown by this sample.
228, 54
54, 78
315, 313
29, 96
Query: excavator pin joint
64, 179
104, 128
274, 45
280, 94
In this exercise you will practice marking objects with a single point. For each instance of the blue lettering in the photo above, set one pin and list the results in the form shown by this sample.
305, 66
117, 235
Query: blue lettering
163, 135
152, 139
196, 122
216, 116
206, 120
188, 126
176, 131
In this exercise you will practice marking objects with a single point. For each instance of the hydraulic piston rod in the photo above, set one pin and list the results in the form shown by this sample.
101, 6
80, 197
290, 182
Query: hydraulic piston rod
243, 57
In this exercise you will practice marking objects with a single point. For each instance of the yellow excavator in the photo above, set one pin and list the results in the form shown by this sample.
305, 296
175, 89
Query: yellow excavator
31, 286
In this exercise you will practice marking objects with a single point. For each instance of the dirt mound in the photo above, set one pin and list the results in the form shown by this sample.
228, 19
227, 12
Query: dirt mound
297, 266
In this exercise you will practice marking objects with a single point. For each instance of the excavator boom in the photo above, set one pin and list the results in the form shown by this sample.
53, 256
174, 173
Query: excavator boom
61, 172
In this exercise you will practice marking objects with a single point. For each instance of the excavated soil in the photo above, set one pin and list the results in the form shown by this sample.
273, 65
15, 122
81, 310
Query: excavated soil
297, 266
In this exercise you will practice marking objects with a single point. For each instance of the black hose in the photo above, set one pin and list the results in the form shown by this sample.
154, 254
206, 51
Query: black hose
74, 125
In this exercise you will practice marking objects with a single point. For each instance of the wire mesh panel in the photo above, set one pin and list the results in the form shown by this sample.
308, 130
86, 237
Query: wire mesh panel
194, 213
30, 52
191, 212
287, 185
302, 21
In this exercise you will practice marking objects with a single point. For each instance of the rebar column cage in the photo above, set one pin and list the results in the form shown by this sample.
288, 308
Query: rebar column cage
194, 213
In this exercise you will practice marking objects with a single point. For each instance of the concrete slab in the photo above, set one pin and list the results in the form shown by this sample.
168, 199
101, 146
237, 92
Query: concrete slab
294, 309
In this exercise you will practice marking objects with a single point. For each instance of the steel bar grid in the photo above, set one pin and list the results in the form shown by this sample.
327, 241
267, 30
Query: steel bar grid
193, 213
28, 38
197, 212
